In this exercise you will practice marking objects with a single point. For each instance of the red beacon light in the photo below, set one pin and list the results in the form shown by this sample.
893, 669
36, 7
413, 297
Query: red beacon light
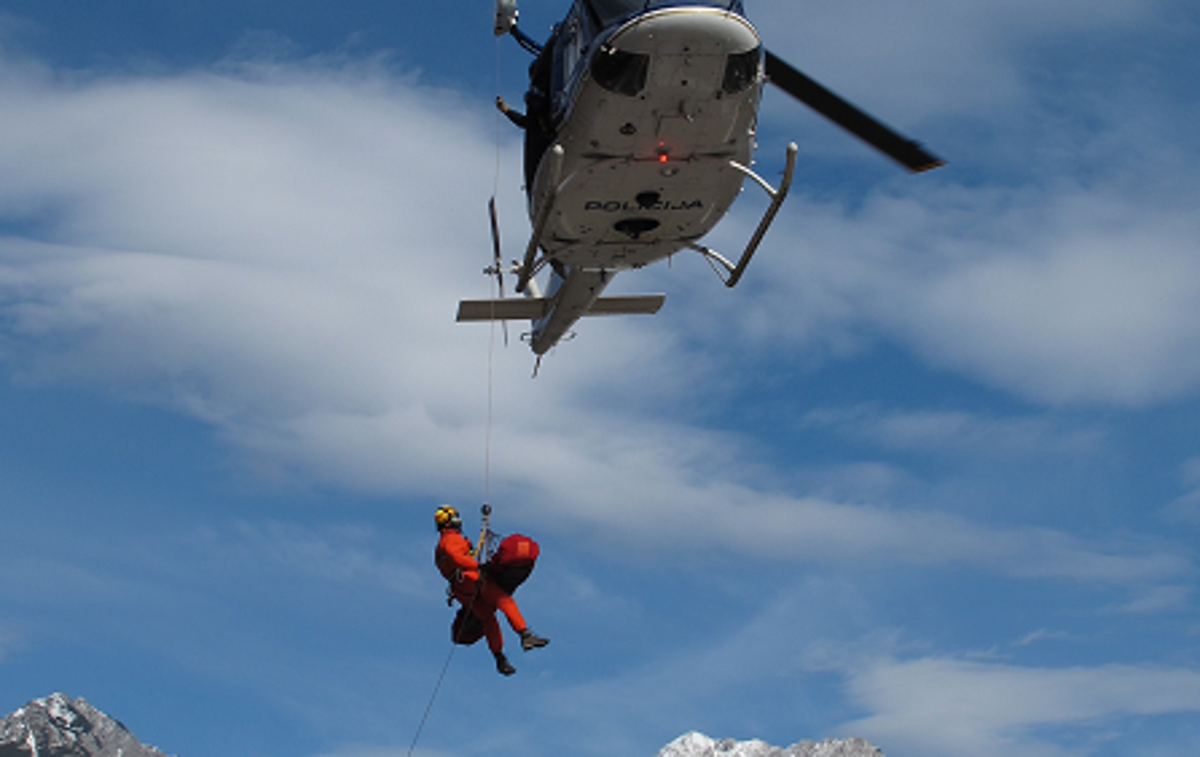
664, 157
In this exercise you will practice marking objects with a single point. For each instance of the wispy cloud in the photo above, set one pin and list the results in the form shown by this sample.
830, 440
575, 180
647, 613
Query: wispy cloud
1156, 599
1062, 295
940, 57
728, 516
349, 555
1186, 509
691, 685
263, 249
947, 706
1040, 635
957, 433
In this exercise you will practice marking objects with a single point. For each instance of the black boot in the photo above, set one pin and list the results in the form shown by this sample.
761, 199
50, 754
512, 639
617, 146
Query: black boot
503, 666
530, 641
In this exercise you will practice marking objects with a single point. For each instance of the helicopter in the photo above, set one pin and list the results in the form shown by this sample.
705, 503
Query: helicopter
640, 128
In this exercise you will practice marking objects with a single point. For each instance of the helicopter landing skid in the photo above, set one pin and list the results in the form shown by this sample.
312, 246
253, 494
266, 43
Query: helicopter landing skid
733, 273
526, 272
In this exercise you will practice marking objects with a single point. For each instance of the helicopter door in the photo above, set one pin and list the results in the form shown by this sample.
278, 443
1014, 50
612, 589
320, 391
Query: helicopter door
573, 39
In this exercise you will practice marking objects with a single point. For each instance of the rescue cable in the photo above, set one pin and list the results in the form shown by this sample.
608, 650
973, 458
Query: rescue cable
485, 532
429, 707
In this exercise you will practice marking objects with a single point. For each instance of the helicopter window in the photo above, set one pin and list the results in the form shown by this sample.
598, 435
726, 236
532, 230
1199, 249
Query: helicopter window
610, 11
619, 71
573, 48
741, 70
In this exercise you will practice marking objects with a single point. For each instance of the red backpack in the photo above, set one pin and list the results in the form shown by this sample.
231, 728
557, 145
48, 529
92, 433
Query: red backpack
512, 562
508, 567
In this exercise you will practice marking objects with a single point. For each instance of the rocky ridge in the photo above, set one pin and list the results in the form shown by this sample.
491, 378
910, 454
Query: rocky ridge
59, 726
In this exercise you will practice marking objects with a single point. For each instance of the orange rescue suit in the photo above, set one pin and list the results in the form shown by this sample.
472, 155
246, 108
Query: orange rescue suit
455, 558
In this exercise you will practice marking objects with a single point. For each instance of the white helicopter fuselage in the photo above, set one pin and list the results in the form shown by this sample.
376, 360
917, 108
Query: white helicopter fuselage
646, 173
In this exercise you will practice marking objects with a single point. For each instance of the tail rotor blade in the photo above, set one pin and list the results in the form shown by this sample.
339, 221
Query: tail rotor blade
908, 153
496, 256
497, 260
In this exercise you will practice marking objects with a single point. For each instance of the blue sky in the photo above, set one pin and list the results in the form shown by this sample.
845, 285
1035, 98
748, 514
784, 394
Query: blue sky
929, 476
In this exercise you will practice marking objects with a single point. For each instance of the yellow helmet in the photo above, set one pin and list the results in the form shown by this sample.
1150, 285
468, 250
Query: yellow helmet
447, 517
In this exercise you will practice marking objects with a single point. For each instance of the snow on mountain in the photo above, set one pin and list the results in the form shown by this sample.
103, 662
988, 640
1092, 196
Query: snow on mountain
59, 726
698, 745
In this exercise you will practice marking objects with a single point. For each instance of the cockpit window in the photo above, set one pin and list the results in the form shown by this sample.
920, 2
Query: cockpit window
611, 11
741, 70
619, 71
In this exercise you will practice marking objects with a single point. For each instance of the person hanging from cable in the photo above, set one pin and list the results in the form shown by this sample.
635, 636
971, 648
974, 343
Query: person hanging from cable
477, 591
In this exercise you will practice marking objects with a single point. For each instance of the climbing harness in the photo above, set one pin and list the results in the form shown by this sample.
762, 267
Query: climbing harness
486, 537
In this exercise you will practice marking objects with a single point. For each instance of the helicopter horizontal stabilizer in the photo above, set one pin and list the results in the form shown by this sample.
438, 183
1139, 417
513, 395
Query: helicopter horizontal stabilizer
533, 308
508, 309
634, 304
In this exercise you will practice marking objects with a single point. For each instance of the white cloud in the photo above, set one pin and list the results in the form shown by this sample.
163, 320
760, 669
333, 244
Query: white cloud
1157, 599
220, 232
278, 253
958, 432
753, 664
1103, 315
339, 555
1186, 509
932, 57
1040, 635
278, 250
944, 706
1060, 295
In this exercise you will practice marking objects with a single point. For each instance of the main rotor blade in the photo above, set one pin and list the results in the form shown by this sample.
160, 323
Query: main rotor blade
908, 153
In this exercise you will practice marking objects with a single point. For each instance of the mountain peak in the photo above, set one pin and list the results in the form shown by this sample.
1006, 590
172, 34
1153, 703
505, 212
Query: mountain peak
58, 726
698, 745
